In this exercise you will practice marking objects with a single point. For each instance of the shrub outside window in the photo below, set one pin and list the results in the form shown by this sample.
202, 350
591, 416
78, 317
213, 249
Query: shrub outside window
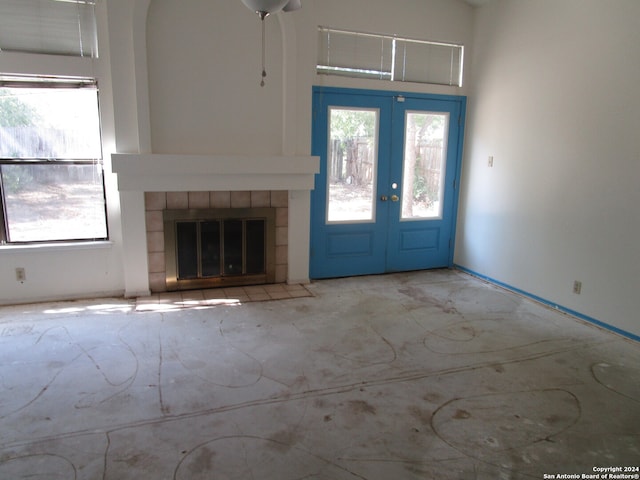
51, 176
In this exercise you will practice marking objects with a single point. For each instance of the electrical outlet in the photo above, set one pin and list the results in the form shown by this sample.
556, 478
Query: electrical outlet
21, 275
490, 162
577, 287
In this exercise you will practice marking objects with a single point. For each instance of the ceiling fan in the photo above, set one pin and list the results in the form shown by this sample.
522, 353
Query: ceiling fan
265, 7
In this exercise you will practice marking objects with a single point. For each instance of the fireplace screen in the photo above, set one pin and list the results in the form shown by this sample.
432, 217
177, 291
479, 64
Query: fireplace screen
219, 247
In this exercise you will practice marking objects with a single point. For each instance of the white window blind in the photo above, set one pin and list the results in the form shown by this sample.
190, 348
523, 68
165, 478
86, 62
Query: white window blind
355, 54
428, 62
62, 27
387, 57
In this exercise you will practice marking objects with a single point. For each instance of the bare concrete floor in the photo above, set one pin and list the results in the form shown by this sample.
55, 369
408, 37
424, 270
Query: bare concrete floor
425, 375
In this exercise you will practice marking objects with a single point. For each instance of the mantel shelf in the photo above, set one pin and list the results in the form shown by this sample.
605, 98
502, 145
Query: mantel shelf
165, 172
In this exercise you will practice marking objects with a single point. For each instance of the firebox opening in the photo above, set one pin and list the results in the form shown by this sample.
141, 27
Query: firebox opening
219, 247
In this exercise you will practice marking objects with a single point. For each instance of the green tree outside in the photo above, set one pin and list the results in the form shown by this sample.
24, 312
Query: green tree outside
14, 112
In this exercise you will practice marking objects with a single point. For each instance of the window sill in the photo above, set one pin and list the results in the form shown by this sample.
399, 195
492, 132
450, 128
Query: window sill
57, 247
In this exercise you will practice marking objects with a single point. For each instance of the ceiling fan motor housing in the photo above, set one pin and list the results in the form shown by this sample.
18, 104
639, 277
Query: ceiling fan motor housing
265, 6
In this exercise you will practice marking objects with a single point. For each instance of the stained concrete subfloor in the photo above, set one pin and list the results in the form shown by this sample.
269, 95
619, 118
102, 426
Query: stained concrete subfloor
424, 375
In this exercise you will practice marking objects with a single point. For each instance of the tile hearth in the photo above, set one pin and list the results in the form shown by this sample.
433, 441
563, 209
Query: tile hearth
220, 296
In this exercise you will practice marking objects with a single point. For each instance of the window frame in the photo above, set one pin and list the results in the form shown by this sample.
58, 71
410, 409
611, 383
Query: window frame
358, 57
54, 82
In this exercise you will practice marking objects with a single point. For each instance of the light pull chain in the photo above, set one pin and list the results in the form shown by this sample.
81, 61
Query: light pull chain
263, 15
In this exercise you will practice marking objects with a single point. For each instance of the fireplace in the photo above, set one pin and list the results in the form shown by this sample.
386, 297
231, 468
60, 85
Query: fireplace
201, 217
207, 248
150, 183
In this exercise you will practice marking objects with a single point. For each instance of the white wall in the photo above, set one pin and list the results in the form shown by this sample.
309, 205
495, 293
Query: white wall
61, 272
204, 75
555, 101
205, 64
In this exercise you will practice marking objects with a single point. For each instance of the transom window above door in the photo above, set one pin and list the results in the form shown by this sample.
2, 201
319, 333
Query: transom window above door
389, 57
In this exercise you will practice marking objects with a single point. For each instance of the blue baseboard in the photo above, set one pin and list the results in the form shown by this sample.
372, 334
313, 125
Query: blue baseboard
579, 315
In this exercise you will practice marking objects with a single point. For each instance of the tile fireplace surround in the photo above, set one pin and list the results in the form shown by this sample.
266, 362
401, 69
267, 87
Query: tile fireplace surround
148, 182
157, 202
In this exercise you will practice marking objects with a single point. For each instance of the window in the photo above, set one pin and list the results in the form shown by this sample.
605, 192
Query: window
388, 57
60, 27
51, 178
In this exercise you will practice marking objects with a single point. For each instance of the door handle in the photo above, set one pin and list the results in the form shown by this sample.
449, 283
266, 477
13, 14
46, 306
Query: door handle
395, 198
383, 198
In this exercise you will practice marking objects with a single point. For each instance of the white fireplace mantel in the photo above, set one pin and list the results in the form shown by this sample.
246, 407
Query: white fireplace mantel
140, 173
162, 172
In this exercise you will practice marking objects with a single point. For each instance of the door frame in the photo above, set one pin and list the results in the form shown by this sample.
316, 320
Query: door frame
317, 143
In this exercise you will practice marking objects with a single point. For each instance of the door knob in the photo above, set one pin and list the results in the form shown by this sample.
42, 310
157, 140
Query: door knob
384, 198
395, 198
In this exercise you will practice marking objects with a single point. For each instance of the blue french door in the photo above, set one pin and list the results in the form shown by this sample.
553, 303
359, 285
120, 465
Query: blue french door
385, 199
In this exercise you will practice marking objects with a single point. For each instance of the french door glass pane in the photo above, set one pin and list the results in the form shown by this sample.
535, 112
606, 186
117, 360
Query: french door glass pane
53, 202
352, 164
424, 164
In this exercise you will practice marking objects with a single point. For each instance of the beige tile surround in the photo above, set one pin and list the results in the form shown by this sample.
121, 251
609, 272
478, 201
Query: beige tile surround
157, 202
